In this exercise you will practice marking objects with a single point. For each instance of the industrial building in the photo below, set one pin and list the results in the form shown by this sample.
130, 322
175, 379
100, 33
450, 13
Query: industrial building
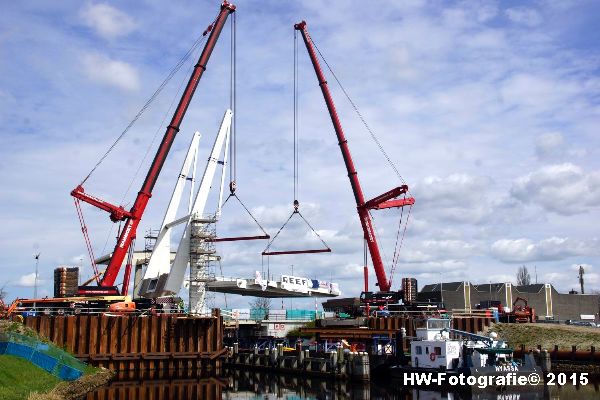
548, 303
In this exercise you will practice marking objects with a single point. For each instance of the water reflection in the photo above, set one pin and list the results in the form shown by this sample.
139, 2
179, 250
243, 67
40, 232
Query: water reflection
250, 385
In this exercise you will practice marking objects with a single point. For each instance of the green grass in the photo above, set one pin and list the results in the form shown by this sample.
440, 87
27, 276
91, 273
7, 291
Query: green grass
548, 335
19, 377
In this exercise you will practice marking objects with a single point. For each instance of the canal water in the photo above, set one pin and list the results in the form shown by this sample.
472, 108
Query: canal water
250, 385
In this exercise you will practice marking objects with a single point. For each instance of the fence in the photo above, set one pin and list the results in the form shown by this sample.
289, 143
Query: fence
261, 314
46, 356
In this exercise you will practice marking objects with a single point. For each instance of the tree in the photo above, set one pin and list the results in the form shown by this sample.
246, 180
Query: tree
261, 302
2, 292
523, 277
2, 297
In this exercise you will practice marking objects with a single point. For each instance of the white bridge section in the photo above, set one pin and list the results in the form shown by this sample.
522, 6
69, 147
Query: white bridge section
287, 286
163, 277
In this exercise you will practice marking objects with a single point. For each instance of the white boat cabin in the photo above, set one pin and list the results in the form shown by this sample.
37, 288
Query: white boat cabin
433, 347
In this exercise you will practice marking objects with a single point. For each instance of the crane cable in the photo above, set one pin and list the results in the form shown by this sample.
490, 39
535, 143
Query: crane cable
396, 252
397, 247
307, 223
360, 116
296, 127
386, 156
150, 100
232, 133
176, 95
232, 107
296, 146
156, 132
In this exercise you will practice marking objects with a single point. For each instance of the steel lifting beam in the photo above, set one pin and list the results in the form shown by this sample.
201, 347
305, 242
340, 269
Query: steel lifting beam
278, 253
239, 238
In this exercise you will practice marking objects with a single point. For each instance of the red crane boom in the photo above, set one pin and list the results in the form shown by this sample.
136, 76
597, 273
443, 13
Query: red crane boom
382, 201
132, 217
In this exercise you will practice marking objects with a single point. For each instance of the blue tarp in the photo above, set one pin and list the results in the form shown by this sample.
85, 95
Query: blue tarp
67, 373
48, 357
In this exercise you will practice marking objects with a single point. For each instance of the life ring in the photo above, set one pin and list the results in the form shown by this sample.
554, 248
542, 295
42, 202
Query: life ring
432, 356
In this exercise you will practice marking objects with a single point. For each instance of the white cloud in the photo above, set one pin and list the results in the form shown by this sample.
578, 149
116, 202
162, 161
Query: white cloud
537, 92
550, 145
569, 279
586, 267
564, 189
78, 259
107, 21
29, 280
554, 248
101, 68
436, 250
431, 271
454, 189
524, 15
459, 198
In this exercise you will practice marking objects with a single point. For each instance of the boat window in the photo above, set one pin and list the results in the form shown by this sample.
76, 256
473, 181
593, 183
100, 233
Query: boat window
420, 323
438, 323
426, 350
152, 285
437, 351
419, 350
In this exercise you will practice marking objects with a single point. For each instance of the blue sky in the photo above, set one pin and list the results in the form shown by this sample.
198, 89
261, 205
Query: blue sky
489, 109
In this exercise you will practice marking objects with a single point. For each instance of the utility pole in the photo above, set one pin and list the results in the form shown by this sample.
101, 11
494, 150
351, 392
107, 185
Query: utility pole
35, 284
441, 289
80, 270
291, 300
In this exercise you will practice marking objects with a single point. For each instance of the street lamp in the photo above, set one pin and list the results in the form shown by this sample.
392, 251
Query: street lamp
35, 284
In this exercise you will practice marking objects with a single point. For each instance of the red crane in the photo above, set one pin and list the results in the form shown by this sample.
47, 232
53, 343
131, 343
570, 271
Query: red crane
132, 218
385, 200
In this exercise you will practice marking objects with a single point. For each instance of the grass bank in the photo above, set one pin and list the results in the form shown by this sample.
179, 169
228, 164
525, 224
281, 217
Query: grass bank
548, 335
18, 378
76, 389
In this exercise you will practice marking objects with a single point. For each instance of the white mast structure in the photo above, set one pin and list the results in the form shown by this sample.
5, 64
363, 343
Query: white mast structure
163, 278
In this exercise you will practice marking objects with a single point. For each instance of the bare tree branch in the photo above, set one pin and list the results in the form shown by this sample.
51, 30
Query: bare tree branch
261, 302
523, 277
